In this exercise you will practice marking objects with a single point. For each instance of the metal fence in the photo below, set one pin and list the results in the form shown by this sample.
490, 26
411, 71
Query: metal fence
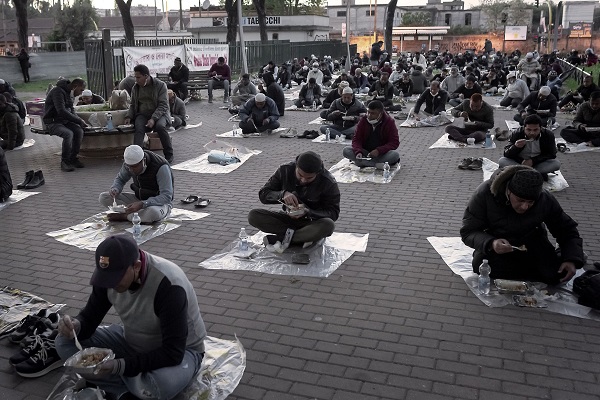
577, 73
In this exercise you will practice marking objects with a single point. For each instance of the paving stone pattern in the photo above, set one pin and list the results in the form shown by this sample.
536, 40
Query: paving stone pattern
390, 323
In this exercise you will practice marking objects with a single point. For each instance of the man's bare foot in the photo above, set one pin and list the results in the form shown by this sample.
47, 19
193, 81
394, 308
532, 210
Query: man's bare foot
117, 217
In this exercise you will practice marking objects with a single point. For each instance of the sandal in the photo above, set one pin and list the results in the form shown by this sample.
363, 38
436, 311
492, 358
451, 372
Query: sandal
562, 147
202, 203
190, 199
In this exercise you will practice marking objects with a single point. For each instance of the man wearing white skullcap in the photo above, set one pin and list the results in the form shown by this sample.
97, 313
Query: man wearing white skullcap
343, 115
259, 115
87, 97
542, 103
152, 186
530, 68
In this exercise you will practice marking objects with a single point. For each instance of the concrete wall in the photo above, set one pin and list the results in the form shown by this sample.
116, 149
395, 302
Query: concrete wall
45, 66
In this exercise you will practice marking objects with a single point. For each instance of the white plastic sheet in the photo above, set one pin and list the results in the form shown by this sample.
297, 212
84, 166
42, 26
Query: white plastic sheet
503, 108
324, 259
434, 120
201, 165
294, 108
322, 139
230, 134
556, 181
347, 172
317, 121
445, 143
190, 126
16, 196
26, 143
512, 125
559, 299
92, 231
576, 148
16, 304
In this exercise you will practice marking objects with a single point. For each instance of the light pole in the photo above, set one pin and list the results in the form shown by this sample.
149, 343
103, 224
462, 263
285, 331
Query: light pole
555, 36
242, 43
347, 65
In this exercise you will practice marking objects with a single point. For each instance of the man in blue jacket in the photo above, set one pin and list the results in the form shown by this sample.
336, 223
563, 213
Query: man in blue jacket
258, 115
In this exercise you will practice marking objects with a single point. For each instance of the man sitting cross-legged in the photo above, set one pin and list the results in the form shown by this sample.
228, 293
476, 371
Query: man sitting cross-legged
435, 100
310, 95
259, 115
309, 191
478, 116
588, 116
344, 113
542, 103
375, 140
532, 145
383, 90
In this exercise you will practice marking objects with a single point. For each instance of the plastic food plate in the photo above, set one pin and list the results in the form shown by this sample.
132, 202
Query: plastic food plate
528, 301
117, 209
86, 360
508, 286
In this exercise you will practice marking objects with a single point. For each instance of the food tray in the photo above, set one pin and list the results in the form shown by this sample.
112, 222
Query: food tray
117, 209
528, 301
75, 361
508, 286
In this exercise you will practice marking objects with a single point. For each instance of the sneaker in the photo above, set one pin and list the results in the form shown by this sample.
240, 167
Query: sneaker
27, 326
476, 164
66, 166
288, 133
42, 326
43, 361
210, 99
33, 348
464, 164
502, 136
76, 163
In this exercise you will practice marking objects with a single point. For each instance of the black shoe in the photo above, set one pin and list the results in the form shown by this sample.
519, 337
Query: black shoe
37, 181
271, 239
464, 164
476, 164
76, 163
43, 327
28, 178
66, 166
35, 346
45, 360
27, 326
312, 135
302, 135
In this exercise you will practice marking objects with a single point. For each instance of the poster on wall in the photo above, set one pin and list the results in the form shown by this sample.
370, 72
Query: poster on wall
158, 59
580, 30
200, 57
515, 32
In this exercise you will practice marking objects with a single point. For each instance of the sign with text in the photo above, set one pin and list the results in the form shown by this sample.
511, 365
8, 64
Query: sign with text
157, 59
580, 30
515, 32
268, 21
200, 57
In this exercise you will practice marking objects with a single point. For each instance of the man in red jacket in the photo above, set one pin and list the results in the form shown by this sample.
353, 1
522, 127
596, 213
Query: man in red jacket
375, 140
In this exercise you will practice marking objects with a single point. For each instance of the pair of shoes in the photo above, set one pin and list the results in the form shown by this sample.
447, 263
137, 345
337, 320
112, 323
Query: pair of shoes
562, 147
288, 133
502, 135
32, 180
42, 361
27, 325
65, 166
43, 326
39, 341
312, 135
471, 163
190, 199
202, 203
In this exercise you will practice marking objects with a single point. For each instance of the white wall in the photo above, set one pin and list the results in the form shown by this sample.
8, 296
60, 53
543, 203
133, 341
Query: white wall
578, 11
360, 22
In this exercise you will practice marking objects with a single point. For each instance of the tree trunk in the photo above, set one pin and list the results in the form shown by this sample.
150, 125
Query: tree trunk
232, 20
125, 9
389, 24
261, 14
22, 23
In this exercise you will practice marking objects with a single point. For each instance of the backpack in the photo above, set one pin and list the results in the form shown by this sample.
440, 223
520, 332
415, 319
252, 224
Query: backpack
587, 287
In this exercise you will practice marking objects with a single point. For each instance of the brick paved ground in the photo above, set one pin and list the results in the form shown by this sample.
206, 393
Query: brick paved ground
390, 323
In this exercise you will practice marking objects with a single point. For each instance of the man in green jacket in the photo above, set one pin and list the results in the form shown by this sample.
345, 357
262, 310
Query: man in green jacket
478, 116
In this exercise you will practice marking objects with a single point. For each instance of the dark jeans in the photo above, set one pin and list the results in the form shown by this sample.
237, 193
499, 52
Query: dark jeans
510, 102
160, 127
573, 135
25, 71
568, 98
461, 134
278, 223
248, 127
545, 119
180, 89
72, 135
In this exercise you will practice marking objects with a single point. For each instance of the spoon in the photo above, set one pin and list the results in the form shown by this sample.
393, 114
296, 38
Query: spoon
114, 202
520, 248
77, 341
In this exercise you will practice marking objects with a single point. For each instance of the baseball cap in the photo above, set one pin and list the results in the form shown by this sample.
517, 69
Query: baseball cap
113, 256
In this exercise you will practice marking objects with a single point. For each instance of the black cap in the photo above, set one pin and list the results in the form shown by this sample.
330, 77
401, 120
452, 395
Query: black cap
113, 256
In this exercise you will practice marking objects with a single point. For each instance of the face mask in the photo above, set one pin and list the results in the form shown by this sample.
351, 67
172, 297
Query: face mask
315, 69
372, 121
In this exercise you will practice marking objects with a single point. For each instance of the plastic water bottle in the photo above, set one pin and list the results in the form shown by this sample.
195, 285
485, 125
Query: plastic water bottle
386, 172
243, 240
484, 277
137, 226
327, 135
234, 130
314, 105
488, 139
401, 96
109, 122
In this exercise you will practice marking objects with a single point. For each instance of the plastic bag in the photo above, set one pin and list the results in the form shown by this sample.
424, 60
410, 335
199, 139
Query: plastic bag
73, 387
222, 158
93, 120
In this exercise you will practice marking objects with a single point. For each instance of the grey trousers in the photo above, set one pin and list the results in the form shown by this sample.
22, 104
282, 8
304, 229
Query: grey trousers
148, 215
545, 167
335, 131
391, 157
278, 223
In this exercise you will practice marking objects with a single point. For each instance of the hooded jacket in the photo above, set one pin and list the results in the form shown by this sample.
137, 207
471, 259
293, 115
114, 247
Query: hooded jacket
489, 217
11, 126
419, 82
384, 132
58, 108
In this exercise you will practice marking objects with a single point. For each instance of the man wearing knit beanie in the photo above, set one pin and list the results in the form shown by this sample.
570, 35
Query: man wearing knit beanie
505, 222
310, 203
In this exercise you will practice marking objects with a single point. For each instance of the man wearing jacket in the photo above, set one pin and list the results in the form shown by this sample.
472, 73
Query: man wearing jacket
511, 209
383, 90
588, 116
375, 140
259, 115
159, 342
435, 101
532, 145
60, 120
361, 82
344, 113
12, 133
177, 110
307, 190
309, 95
149, 109
542, 103
152, 185
478, 116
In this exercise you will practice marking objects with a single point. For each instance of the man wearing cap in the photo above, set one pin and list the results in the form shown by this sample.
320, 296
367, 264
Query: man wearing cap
343, 114
542, 103
7, 87
511, 210
309, 95
332, 96
149, 109
516, 91
152, 186
316, 74
87, 98
220, 77
361, 83
159, 342
478, 116
375, 140
258, 115
530, 68
179, 76
532, 145
465, 91
588, 116
302, 185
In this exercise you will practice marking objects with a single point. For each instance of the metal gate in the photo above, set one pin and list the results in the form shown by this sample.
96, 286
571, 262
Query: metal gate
98, 65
